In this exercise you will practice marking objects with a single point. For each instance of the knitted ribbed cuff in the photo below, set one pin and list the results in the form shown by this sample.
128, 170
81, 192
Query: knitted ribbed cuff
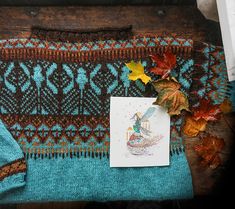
12, 175
12, 162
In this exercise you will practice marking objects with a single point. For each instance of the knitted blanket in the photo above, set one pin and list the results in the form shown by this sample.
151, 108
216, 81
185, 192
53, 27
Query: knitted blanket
55, 91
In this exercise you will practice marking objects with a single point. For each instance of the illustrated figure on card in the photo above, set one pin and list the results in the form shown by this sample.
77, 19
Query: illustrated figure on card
139, 136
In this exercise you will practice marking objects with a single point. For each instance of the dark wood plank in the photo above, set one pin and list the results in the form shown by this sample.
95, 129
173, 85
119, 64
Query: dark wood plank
53, 205
9, 206
17, 22
92, 2
205, 179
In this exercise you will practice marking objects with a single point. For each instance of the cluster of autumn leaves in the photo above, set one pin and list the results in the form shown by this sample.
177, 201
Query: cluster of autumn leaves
171, 98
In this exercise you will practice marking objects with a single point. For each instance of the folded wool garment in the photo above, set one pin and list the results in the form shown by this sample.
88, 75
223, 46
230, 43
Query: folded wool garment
12, 162
55, 90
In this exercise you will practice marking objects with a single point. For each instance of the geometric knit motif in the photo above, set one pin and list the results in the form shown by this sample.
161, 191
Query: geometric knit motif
210, 75
182, 73
14, 167
55, 97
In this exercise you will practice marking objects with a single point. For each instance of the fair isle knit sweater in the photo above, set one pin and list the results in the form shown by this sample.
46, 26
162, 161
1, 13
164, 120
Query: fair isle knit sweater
55, 91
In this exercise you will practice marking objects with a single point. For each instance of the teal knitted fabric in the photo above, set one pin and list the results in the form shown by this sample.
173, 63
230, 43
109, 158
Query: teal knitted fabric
12, 163
54, 102
72, 179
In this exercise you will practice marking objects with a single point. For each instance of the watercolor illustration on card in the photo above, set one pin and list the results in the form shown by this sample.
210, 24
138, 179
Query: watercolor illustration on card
140, 140
139, 133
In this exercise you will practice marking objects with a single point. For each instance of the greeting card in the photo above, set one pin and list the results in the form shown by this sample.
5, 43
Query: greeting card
139, 133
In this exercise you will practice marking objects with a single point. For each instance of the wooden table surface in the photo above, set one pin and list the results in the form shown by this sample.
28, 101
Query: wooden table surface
16, 22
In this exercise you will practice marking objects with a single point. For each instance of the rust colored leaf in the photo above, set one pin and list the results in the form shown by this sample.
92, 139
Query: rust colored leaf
192, 127
170, 97
164, 64
207, 111
208, 149
226, 106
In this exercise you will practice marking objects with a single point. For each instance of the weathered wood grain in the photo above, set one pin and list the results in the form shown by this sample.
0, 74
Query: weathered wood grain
92, 2
187, 20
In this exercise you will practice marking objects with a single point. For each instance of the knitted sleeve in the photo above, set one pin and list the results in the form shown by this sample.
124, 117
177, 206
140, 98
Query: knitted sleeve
210, 78
12, 162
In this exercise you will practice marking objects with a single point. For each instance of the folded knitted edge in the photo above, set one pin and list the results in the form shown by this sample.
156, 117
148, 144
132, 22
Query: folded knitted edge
110, 44
12, 162
202, 52
82, 35
12, 175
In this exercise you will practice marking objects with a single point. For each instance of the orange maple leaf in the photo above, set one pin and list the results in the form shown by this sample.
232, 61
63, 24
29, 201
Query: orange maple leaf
207, 111
164, 64
192, 127
208, 149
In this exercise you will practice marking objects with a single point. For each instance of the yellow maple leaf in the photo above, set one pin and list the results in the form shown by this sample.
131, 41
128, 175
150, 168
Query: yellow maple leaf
192, 127
137, 72
170, 97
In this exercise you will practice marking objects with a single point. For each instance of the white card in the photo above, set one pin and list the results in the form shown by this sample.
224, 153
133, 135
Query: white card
139, 133
226, 10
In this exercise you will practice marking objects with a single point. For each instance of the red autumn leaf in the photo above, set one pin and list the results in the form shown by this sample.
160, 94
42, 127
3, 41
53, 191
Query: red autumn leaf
208, 149
207, 111
165, 64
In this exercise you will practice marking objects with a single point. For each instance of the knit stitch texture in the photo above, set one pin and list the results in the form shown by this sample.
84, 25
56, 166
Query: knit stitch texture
54, 107
12, 162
